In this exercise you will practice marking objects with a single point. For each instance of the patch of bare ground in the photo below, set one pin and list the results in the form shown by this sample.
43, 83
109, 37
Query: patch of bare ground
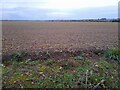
58, 40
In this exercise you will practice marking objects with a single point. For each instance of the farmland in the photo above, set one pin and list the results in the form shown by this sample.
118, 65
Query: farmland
44, 54
58, 35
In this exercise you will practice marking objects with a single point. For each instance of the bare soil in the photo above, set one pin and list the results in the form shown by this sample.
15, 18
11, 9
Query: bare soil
39, 37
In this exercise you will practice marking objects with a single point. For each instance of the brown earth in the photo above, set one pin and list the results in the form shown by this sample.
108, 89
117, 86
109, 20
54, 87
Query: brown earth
33, 36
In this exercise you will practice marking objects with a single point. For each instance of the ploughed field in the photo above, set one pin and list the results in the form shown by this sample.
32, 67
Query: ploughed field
60, 55
33, 36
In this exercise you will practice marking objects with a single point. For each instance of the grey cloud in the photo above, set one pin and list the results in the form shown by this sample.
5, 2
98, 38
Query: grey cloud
33, 13
100, 12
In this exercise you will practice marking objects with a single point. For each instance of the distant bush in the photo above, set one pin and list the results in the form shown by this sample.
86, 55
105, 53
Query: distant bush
113, 54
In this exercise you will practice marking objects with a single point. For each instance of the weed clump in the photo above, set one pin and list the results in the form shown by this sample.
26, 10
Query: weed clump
113, 54
19, 56
80, 57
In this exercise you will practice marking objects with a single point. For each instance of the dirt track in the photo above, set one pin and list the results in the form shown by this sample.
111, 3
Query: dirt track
57, 36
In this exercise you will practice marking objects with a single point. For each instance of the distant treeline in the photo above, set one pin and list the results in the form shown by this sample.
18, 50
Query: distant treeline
87, 20
82, 20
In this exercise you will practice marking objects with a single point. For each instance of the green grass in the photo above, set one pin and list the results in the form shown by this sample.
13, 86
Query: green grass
60, 74
113, 54
75, 72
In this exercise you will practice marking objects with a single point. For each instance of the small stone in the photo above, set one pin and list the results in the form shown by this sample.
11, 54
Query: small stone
60, 67
96, 65
41, 72
14, 82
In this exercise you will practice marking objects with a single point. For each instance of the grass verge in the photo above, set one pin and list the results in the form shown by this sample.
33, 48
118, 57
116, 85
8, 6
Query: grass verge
60, 74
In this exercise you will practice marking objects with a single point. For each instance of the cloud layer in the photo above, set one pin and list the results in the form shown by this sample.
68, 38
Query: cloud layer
58, 9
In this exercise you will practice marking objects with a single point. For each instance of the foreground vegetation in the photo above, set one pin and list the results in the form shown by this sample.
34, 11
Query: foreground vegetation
74, 72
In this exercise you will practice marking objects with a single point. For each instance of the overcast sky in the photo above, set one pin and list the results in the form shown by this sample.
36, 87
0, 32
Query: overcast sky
58, 9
